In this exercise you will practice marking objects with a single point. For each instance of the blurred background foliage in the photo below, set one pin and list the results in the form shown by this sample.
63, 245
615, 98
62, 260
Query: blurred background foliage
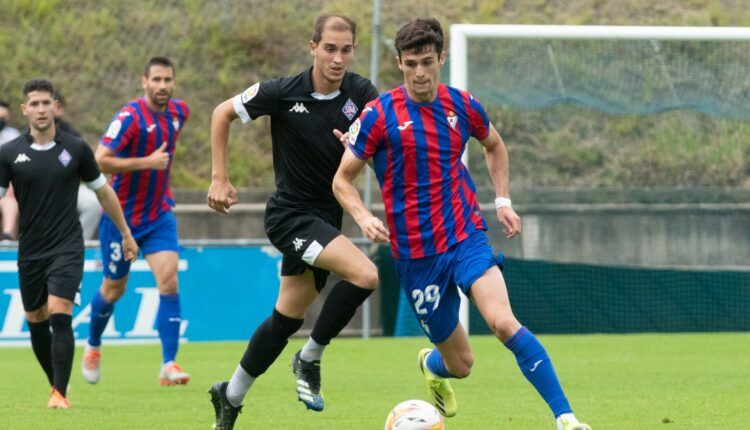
95, 51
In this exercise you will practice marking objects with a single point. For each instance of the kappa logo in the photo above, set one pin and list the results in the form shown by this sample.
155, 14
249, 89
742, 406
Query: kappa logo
151, 128
22, 158
452, 119
425, 326
299, 107
298, 243
405, 125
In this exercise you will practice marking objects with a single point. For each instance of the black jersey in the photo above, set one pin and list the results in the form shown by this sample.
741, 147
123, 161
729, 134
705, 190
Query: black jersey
306, 154
46, 180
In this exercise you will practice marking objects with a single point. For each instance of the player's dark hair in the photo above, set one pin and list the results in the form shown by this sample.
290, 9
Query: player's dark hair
37, 84
419, 35
59, 97
158, 61
4, 104
340, 23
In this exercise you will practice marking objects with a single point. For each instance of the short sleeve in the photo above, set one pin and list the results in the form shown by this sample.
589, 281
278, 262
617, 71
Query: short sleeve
88, 169
368, 90
5, 175
366, 132
479, 121
117, 136
261, 98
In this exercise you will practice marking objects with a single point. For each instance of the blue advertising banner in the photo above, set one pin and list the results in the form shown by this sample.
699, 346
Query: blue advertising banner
225, 293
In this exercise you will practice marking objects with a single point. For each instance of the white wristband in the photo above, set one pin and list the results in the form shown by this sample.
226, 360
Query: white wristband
501, 202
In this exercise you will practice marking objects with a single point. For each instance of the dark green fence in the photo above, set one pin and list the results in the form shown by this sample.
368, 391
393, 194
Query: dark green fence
577, 298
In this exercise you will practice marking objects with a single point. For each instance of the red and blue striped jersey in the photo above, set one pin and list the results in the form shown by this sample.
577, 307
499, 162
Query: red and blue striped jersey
137, 131
430, 200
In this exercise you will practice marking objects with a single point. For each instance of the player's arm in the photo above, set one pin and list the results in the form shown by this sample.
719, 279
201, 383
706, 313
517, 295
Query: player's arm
111, 205
109, 162
221, 194
496, 156
349, 199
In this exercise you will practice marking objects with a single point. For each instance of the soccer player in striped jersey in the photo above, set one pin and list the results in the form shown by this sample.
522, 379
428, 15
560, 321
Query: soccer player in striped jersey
415, 135
137, 149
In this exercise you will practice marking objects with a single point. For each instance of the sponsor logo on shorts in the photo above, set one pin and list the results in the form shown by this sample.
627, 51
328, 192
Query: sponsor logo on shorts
298, 243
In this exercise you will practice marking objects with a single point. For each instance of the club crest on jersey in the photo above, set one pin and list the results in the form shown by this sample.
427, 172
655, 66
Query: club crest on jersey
354, 131
176, 125
249, 93
452, 119
349, 109
65, 157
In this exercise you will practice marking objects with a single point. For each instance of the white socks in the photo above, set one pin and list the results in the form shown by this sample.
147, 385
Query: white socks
238, 386
312, 351
569, 418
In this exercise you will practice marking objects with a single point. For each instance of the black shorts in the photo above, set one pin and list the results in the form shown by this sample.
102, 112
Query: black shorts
300, 233
59, 275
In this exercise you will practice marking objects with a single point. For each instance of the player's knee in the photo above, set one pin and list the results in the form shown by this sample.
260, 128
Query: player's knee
113, 291
504, 326
168, 285
369, 277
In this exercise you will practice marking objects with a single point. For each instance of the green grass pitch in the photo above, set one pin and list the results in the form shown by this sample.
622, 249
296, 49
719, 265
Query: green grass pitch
617, 382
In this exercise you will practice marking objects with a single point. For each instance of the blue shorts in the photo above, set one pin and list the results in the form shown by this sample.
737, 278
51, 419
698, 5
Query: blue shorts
159, 235
430, 282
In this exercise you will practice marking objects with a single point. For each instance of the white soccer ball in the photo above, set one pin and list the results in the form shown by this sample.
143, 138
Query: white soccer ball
414, 415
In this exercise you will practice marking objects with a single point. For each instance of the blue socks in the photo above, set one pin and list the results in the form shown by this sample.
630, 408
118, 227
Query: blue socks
436, 364
536, 366
168, 324
101, 310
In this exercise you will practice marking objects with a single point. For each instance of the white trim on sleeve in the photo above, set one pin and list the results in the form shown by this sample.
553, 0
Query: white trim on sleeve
239, 109
97, 183
3, 191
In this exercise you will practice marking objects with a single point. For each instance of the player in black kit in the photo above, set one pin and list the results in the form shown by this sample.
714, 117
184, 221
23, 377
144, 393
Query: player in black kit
45, 167
303, 218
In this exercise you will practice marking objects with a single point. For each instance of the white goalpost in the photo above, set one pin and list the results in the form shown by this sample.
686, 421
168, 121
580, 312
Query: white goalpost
461, 34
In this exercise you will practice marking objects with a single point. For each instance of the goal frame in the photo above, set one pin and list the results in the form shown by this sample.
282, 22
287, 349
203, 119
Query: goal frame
461, 33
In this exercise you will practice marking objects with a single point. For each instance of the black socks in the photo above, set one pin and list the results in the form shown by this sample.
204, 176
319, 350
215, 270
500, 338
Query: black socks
268, 341
63, 347
41, 343
339, 308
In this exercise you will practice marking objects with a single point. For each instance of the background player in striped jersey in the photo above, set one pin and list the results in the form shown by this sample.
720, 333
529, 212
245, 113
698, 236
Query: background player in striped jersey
415, 135
137, 149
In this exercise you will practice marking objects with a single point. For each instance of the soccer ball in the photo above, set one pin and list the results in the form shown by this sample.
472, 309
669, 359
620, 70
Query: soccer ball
414, 415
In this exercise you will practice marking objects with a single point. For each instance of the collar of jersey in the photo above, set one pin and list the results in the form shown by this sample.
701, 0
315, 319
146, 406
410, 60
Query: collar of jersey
47, 147
308, 86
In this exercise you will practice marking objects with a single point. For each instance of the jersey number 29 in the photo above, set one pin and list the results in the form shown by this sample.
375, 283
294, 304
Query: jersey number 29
431, 294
